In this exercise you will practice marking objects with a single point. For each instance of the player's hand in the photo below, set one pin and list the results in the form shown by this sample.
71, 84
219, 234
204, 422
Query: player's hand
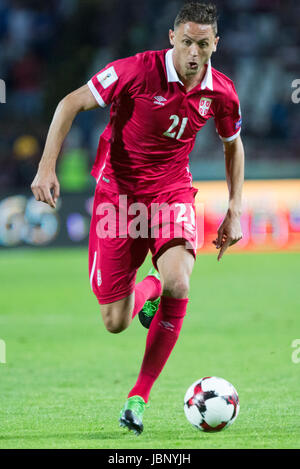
45, 187
229, 233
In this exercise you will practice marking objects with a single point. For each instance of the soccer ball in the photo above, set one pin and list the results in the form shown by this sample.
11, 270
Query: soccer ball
211, 404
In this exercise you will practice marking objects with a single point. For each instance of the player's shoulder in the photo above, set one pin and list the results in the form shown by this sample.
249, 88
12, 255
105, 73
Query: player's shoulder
223, 85
147, 56
151, 57
142, 61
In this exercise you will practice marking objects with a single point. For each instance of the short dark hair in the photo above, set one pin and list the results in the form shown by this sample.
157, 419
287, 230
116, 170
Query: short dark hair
202, 13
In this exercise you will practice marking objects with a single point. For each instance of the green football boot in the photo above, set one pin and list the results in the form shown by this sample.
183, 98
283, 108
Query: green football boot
131, 416
150, 307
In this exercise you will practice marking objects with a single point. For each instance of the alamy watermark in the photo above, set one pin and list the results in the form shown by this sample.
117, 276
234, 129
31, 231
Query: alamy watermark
296, 93
2, 92
296, 353
2, 352
139, 220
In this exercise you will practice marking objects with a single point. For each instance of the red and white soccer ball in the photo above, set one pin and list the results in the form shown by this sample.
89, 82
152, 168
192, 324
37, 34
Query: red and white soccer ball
211, 404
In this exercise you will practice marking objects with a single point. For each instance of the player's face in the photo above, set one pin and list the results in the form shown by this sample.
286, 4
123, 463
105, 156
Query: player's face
193, 46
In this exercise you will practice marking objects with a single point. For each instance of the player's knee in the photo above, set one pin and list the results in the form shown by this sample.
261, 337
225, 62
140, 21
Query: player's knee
115, 328
176, 286
114, 320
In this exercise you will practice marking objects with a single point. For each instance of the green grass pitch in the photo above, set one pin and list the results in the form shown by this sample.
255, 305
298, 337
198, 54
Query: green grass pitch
66, 378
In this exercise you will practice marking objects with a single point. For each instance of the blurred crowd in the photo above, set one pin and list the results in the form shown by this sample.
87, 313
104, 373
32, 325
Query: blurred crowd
48, 49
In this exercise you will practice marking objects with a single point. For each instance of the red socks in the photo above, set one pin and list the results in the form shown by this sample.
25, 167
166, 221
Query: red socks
161, 339
147, 289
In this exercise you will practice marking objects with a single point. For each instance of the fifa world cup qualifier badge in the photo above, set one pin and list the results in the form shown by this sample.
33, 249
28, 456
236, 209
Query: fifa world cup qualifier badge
107, 77
204, 106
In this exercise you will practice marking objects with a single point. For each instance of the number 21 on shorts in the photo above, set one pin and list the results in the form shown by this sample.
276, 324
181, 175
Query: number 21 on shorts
188, 219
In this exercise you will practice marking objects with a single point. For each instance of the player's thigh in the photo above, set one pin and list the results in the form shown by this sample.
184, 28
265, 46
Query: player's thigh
113, 260
174, 242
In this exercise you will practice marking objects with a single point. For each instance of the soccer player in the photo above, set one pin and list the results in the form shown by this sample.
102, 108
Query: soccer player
159, 101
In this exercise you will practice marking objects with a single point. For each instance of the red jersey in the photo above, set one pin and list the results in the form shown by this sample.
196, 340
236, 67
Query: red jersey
154, 122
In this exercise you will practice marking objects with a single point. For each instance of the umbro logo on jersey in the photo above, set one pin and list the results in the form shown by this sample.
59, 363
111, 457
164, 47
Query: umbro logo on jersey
159, 100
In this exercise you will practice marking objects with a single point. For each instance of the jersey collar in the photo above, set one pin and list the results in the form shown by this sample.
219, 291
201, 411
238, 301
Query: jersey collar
172, 75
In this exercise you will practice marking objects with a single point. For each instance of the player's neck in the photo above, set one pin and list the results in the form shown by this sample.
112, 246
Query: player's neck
191, 81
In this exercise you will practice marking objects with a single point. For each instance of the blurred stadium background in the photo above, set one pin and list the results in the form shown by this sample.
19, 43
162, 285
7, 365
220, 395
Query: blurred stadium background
48, 49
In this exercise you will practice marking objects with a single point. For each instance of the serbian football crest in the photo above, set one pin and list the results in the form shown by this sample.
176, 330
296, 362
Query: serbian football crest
204, 106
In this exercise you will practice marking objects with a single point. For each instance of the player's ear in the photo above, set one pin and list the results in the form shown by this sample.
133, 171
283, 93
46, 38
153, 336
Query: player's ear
171, 37
216, 43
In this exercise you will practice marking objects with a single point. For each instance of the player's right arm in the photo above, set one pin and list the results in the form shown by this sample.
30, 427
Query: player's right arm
45, 186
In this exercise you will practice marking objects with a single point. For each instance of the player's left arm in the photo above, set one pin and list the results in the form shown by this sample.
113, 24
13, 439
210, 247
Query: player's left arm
230, 231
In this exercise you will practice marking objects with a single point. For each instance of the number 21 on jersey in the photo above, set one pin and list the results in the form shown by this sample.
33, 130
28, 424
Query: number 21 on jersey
173, 134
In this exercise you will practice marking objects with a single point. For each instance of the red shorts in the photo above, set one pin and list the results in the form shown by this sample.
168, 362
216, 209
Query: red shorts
123, 230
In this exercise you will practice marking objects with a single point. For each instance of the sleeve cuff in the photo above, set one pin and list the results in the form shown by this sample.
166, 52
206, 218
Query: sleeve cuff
233, 137
96, 94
